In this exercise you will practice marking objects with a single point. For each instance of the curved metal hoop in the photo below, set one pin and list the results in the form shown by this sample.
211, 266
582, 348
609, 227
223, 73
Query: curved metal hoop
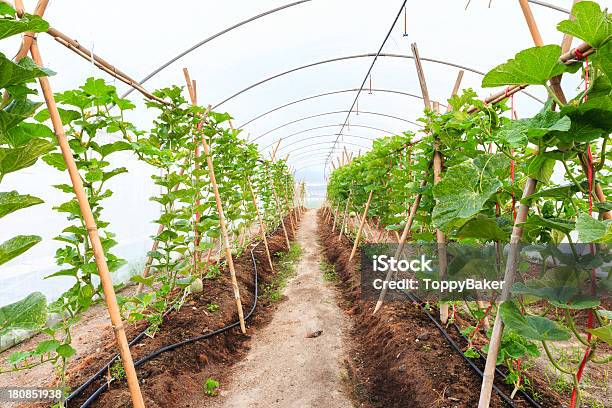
393, 91
231, 28
209, 39
333, 113
322, 136
349, 57
324, 127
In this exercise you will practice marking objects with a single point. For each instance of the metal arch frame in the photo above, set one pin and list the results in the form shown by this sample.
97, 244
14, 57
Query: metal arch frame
209, 39
325, 135
258, 16
323, 127
298, 149
327, 94
349, 57
332, 113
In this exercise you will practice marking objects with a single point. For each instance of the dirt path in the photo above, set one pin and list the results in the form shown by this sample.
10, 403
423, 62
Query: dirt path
284, 368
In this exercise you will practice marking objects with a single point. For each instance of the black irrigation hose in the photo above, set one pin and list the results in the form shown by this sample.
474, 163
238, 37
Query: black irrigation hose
456, 347
169, 347
458, 350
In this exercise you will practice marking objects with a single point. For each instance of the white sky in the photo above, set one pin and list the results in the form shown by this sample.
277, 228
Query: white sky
137, 36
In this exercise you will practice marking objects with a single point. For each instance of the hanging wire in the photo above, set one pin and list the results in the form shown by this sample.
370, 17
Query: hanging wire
369, 73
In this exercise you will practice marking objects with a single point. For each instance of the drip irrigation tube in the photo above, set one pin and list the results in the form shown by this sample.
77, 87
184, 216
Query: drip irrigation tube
474, 367
471, 363
164, 349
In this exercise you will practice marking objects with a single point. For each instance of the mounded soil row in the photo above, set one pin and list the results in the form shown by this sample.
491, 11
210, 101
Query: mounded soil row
174, 377
399, 357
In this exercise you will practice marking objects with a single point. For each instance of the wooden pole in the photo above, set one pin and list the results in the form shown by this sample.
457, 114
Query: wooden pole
94, 238
335, 217
279, 208
223, 226
99, 62
224, 234
262, 224
361, 224
401, 243
191, 88
346, 208
513, 253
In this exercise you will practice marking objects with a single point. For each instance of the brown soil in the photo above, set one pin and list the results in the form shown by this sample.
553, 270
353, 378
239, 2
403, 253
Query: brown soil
173, 376
399, 358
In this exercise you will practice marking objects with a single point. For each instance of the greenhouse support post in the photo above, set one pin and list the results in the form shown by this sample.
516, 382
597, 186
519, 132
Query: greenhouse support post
437, 168
345, 214
513, 253
262, 224
224, 234
361, 225
222, 225
279, 208
94, 238
402, 242
191, 89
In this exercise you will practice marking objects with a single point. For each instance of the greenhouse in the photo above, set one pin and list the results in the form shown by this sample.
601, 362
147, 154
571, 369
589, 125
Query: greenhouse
306, 204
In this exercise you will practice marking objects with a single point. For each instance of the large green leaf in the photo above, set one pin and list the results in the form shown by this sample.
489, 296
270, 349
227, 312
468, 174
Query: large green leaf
594, 113
24, 132
27, 314
531, 327
13, 159
540, 168
483, 227
590, 24
28, 22
13, 201
603, 333
592, 230
533, 66
461, 194
16, 246
19, 73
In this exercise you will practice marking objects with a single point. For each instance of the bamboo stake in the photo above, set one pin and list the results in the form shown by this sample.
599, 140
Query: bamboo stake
262, 224
400, 244
223, 227
348, 201
279, 208
191, 88
28, 37
513, 254
273, 155
335, 217
94, 238
224, 234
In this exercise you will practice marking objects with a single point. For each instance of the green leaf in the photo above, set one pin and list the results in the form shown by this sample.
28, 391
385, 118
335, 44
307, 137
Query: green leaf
55, 160
483, 227
13, 201
591, 230
531, 327
461, 194
540, 168
13, 159
27, 314
24, 71
148, 281
47, 346
109, 148
28, 22
590, 24
533, 66
66, 351
24, 132
603, 333
16, 246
